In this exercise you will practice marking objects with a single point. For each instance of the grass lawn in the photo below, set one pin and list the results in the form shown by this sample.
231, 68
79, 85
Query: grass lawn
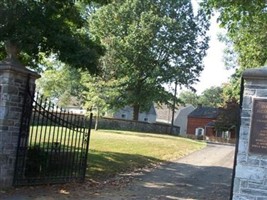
112, 152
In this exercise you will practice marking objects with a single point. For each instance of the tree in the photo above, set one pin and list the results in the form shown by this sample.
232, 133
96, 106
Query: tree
98, 94
231, 90
212, 97
150, 43
61, 83
189, 97
245, 22
228, 117
34, 29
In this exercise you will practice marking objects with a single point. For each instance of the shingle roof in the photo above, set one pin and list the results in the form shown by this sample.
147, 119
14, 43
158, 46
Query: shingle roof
204, 112
152, 110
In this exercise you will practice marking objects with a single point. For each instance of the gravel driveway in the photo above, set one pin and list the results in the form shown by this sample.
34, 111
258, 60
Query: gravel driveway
205, 174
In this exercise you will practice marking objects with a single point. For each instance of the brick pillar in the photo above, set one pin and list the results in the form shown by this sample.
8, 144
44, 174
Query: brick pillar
250, 181
13, 80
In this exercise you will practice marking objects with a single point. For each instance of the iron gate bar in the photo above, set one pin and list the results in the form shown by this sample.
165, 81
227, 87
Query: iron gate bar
54, 149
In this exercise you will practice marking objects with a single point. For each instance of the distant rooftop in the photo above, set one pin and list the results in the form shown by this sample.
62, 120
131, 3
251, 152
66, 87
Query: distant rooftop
204, 112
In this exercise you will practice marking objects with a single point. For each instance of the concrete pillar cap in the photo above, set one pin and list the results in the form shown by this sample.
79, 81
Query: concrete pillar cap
255, 73
12, 64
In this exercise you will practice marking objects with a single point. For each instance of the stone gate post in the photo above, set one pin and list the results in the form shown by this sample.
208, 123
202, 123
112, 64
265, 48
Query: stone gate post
250, 181
13, 80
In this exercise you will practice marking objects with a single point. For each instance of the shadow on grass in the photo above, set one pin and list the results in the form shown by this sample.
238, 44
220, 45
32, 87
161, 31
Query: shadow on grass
103, 165
140, 134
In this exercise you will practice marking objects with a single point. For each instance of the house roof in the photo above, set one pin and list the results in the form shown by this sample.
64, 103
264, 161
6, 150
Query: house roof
164, 113
152, 110
204, 112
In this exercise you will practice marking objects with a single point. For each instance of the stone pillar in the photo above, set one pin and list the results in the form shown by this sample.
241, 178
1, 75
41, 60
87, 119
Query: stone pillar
13, 80
250, 181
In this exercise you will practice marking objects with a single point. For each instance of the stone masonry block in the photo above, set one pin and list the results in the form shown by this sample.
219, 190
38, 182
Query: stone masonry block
243, 197
244, 133
246, 113
249, 92
244, 184
253, 162
262, 92
245, 121
261, 198
243, 147
15, 98
247, 102
10, 89
263, 163
254, 192
242, 159
257, 186
236, 186
254, 174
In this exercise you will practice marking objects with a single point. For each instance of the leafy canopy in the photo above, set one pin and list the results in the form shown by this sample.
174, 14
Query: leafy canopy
38, 28
211, 97
246, 25
150, 43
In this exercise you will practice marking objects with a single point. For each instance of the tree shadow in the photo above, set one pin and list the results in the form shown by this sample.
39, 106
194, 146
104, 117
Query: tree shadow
183, 181
104, 165
172, 180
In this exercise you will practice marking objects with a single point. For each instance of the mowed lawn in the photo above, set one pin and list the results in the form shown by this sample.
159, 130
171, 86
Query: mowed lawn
113, 152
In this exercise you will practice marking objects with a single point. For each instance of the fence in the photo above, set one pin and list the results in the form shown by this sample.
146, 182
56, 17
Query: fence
53, 144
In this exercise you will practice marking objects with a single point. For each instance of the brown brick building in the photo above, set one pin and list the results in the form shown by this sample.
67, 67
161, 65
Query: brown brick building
201, 121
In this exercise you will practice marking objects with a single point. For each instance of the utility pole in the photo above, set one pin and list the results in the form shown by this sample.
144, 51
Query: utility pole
173, 106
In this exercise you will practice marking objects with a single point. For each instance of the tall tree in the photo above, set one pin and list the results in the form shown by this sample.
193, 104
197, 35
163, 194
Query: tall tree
246, 25
61, 84
189, 97
150, 43
228, 117
34, 28
98, 94
212, 97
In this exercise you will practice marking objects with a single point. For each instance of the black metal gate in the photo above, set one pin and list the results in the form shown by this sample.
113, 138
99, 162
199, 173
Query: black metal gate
53, 144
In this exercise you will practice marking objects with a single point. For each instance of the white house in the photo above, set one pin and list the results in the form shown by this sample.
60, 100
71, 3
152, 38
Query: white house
164, 115
181, 118
127, 113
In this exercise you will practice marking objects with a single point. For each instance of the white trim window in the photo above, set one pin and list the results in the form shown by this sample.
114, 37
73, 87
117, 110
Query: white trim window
199, 131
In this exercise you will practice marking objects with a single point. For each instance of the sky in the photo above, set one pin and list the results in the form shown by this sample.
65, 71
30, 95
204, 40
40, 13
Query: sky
214, 73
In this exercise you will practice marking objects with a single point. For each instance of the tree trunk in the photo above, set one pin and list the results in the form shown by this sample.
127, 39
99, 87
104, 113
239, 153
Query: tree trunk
96, 120
136, 109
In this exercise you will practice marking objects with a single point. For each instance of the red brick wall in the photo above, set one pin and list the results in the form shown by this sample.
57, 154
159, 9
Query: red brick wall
194, 123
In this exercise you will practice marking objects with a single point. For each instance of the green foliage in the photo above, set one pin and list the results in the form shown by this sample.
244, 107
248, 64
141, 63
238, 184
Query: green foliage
228, 117
61, 83
99, 94
189, 97
231, 90
149, 43
246, 23
48, 26
211, 97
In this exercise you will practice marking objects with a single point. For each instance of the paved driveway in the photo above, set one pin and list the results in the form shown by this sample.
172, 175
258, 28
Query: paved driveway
205, 174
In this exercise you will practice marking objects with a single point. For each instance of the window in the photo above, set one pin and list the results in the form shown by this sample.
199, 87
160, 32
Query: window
123, 116
145, 119
199, 131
